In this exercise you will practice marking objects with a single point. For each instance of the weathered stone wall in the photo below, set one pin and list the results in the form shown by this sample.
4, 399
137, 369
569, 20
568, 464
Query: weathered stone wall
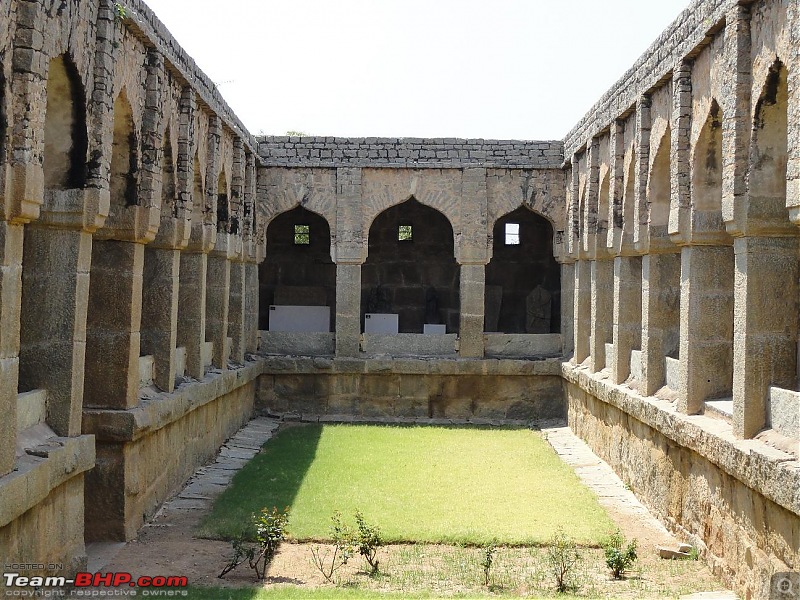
413, 388
144, 457
735, 500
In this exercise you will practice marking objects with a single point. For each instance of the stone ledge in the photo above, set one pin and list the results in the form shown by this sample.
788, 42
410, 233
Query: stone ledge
772, 473
154, 413
291, 365
35, 477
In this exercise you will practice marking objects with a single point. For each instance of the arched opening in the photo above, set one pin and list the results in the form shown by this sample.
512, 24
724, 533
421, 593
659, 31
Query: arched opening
65, 136
411, 270
667, 280
169, 199
124, 155
298, 272
770, 349
198, 194
55, 261
707, 171
523, 279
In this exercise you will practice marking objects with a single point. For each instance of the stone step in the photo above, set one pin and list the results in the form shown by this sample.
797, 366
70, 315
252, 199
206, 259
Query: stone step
721, 409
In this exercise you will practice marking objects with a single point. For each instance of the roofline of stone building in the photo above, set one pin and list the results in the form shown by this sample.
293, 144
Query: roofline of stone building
692, 30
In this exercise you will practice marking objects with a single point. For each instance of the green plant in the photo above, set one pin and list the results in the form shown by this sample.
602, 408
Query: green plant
120, 12
562, 559
619, 556
694, 554
367, 538
486, 562
270, 532
329, 562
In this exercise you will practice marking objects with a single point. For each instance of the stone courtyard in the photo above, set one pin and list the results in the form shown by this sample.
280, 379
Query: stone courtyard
165, 276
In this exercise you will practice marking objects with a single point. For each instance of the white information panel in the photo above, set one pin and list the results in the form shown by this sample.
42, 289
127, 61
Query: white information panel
429, 329
300, 319
380, 323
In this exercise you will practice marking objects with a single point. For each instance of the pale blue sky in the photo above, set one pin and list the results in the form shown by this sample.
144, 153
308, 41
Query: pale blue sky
445, 68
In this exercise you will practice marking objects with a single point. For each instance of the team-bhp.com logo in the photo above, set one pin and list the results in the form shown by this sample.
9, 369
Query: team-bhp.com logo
94, 585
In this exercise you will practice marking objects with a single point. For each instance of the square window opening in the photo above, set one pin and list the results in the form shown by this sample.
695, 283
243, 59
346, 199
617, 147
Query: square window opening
405, 233
302, 235
512, 234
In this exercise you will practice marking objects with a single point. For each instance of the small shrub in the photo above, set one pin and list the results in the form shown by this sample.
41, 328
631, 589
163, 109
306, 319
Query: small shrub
367, 538
486, 562
270, 532
328, 563
619, 557
562, 559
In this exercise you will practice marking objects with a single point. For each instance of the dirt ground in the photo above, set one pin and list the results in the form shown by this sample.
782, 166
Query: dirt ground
167, 546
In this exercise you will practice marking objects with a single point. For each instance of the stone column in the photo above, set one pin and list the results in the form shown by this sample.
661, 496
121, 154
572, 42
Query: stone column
602, 297
706, 305
251, 307
236, 311
10, 298
583, 309
113, 325
192, 310
348, 309
218, 283
627, 315
660, 303
567, 308
766, 329
160, 312
471, 318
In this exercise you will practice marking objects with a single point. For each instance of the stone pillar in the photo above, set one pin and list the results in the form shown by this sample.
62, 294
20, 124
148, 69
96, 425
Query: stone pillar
160, 312
627, 317
660, 302
583, 309
470, 327
236, 311
567, 308
348, 309
192, 310
251, 307
113, 325
10, 298
218, 283
706, 305
766, 329
602, 296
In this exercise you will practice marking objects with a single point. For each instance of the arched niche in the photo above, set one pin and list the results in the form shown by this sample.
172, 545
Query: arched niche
521, 276
769, 147
124, 155
707, 167
65, 134
658, 190
297, 270
410, 269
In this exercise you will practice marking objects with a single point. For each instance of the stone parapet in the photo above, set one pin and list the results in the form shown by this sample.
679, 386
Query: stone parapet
410, 153
693, 473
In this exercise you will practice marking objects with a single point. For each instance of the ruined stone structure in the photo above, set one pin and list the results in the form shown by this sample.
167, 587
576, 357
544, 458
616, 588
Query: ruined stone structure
162, 270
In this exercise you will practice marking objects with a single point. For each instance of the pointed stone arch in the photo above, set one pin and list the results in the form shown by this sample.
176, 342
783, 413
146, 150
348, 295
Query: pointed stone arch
298, 269
124, 156
520, 265
411, 251
65, 133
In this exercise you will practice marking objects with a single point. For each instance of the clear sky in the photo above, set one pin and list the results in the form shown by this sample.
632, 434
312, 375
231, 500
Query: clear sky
520, 69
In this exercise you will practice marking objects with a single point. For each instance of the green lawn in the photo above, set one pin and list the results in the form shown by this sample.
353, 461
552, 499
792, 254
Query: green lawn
419, 484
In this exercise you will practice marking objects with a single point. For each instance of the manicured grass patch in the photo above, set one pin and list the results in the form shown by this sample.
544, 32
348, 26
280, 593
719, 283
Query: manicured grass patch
419, 484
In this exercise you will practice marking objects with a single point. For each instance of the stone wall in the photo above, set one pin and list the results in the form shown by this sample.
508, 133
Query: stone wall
735, 500
412, 388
